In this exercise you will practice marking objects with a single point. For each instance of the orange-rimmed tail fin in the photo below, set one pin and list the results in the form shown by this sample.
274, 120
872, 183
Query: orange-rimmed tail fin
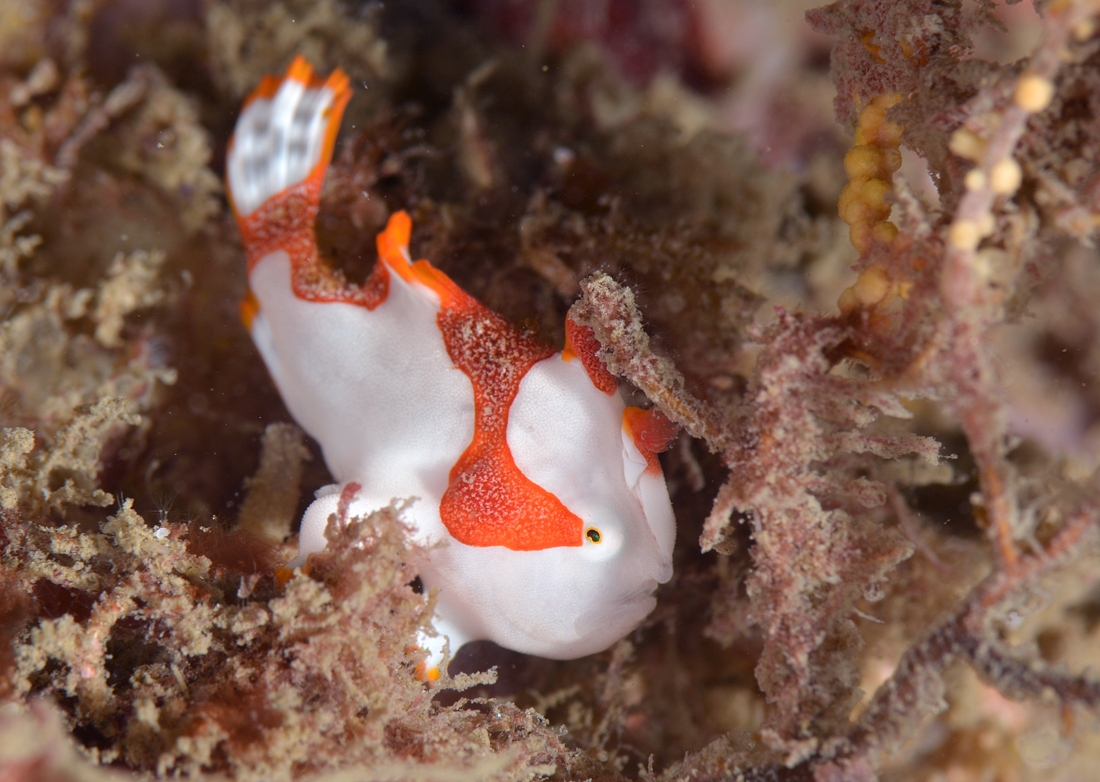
285, 135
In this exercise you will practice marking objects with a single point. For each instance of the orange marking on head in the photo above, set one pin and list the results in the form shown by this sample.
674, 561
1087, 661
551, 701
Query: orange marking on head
249, 309
581, 342
651, 432
867, 38
489, 501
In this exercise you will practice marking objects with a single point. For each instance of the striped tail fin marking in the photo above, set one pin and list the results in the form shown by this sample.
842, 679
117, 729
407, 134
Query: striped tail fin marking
275, 167
285, 135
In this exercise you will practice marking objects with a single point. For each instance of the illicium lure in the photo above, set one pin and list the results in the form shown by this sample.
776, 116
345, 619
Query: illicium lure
539, 484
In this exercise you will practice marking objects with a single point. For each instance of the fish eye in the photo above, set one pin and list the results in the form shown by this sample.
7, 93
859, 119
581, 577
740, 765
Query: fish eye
593, 534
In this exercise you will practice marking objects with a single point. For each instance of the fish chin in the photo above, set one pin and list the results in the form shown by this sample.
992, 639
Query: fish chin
664, 570
617, 617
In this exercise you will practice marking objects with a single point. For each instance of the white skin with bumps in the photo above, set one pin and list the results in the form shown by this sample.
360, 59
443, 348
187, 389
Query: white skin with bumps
392, 413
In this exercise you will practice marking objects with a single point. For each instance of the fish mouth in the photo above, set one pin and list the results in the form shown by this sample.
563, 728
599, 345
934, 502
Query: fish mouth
624, 612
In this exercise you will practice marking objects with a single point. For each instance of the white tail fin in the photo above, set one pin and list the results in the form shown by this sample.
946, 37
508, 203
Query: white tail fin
284, 135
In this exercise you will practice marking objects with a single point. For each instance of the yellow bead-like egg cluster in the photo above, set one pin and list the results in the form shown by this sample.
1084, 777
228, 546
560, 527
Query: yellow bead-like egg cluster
870, 165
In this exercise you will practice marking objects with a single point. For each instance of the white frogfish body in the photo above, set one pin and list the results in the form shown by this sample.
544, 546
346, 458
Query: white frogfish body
539, 485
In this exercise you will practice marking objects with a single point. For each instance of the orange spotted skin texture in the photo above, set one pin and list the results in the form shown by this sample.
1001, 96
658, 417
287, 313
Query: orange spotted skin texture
580, 341
490, 502
285, 222
652, 432
536, 490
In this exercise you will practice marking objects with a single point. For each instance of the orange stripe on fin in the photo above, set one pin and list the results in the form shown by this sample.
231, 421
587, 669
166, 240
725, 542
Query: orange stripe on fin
393, 248
249, 309
393, 242
300, 71
340, 85
265, 90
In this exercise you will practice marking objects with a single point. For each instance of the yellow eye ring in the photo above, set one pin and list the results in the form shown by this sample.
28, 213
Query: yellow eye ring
593, 534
